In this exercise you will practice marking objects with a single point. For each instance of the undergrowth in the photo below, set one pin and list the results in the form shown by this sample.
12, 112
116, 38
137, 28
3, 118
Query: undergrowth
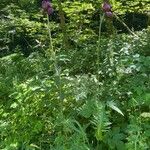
40, 109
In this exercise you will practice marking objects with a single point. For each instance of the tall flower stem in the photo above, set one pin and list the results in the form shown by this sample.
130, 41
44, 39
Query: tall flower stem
99, 48
52, 52
53, 57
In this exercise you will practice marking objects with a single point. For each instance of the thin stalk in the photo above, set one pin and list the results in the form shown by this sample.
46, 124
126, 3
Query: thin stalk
53, 56
50, 39
124, 24
99, 48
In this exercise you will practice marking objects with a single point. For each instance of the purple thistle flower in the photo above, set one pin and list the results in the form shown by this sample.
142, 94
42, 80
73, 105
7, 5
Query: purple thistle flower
50, 10
47, 7
106, 7
109, 14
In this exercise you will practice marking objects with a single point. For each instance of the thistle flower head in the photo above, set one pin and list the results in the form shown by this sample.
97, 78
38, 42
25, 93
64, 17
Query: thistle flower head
109, 14
47, 7
106, 7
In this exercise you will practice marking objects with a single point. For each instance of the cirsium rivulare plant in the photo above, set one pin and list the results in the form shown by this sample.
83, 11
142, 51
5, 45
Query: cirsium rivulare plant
47, 7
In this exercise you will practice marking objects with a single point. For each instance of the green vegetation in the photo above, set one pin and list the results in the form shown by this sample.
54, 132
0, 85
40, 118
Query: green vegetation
71, 81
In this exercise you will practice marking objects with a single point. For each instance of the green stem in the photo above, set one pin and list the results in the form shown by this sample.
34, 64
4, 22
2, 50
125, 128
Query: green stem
52, 53
99, 48
53, 56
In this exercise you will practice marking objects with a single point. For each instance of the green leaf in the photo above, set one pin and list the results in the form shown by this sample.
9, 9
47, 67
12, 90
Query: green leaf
14, 105
113, 106
34, 146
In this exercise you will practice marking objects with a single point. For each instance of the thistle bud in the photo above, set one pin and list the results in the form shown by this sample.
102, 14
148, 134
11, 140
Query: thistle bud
109, 14
50, 10
47, 7
44, 5
106, 7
